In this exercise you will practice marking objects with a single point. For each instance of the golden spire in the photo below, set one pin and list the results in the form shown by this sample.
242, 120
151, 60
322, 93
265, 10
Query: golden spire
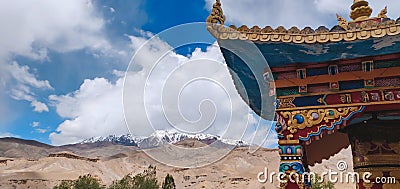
360, 10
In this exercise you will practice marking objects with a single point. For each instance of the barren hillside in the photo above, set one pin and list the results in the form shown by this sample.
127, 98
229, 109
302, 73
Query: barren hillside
238, 169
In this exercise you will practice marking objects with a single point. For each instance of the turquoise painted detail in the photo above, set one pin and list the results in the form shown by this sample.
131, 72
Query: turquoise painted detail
294, 166
299, 118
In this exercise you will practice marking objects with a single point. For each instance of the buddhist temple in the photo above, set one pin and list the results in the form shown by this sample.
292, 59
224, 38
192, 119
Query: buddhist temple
333, 88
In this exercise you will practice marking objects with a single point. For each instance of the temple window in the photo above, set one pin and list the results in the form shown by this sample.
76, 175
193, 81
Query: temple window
333, 70
301, 73
368, 66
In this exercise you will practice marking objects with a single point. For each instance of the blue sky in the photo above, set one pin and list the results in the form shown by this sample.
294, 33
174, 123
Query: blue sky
61, 63
66, 70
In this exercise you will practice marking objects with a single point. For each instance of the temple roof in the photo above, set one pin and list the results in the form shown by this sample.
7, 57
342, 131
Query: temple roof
361, 37
362, 27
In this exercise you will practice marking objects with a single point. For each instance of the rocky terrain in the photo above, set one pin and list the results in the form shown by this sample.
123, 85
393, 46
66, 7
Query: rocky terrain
30, 164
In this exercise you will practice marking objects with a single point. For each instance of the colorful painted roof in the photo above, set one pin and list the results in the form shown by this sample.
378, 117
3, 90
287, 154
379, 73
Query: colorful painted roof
346, 45
363, 36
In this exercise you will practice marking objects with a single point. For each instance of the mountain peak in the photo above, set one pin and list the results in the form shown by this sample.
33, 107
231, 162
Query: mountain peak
159, 138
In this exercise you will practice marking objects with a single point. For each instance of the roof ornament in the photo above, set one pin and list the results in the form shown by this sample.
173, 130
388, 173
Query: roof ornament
362, 27
360, 10
342, 22
360, 13
217, 15
383, 13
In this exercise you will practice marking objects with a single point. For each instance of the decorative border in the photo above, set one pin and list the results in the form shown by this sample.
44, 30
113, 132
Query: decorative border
307, 35
301, 119
340, 99
305, 124
353, 31
320, 129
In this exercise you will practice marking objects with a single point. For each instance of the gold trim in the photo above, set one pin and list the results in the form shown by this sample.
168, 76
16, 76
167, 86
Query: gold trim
290, 155
291, 160
371, 30
312, 117
288, 142
361, 28
381, 159
286, 102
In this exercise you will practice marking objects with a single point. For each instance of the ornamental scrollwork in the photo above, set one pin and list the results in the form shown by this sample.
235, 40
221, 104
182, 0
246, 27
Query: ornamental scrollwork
383, 13
301, 119
217, 15
361, 28
342, 22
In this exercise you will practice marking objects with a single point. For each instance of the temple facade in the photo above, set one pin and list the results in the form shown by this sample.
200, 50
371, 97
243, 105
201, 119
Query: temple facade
331, 88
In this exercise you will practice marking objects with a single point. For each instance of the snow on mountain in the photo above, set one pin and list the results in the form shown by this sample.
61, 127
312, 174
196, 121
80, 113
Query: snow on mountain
161, 137
126, 140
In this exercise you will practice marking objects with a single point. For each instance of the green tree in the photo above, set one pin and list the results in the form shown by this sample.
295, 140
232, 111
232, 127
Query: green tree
317, 184
65, 184
125, 183
83, 182
145, 180
169, 182
86, 182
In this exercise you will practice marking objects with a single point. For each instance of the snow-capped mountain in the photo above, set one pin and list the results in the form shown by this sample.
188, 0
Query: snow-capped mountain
159, 138
125, 140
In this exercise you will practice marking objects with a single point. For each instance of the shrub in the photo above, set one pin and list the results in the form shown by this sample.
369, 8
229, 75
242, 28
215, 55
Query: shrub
145, 180
86, 182
83, 182
169, 182
316, 184
64, 185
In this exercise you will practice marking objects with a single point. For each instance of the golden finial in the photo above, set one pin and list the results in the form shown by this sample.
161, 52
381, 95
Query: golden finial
360, 10
217, 15
342, 22
383, 13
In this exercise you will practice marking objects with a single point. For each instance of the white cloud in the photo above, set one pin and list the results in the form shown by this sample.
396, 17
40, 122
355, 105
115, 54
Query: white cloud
35, 124
96, 109
93, 110
39, 106
30, 28
300, 13
41, 131
23, 76
170, 93
19, 82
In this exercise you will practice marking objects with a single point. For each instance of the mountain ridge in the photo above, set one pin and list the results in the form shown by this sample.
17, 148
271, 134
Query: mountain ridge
159, 138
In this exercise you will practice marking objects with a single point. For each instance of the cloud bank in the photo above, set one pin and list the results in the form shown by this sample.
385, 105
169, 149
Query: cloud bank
30, 29
95, 109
